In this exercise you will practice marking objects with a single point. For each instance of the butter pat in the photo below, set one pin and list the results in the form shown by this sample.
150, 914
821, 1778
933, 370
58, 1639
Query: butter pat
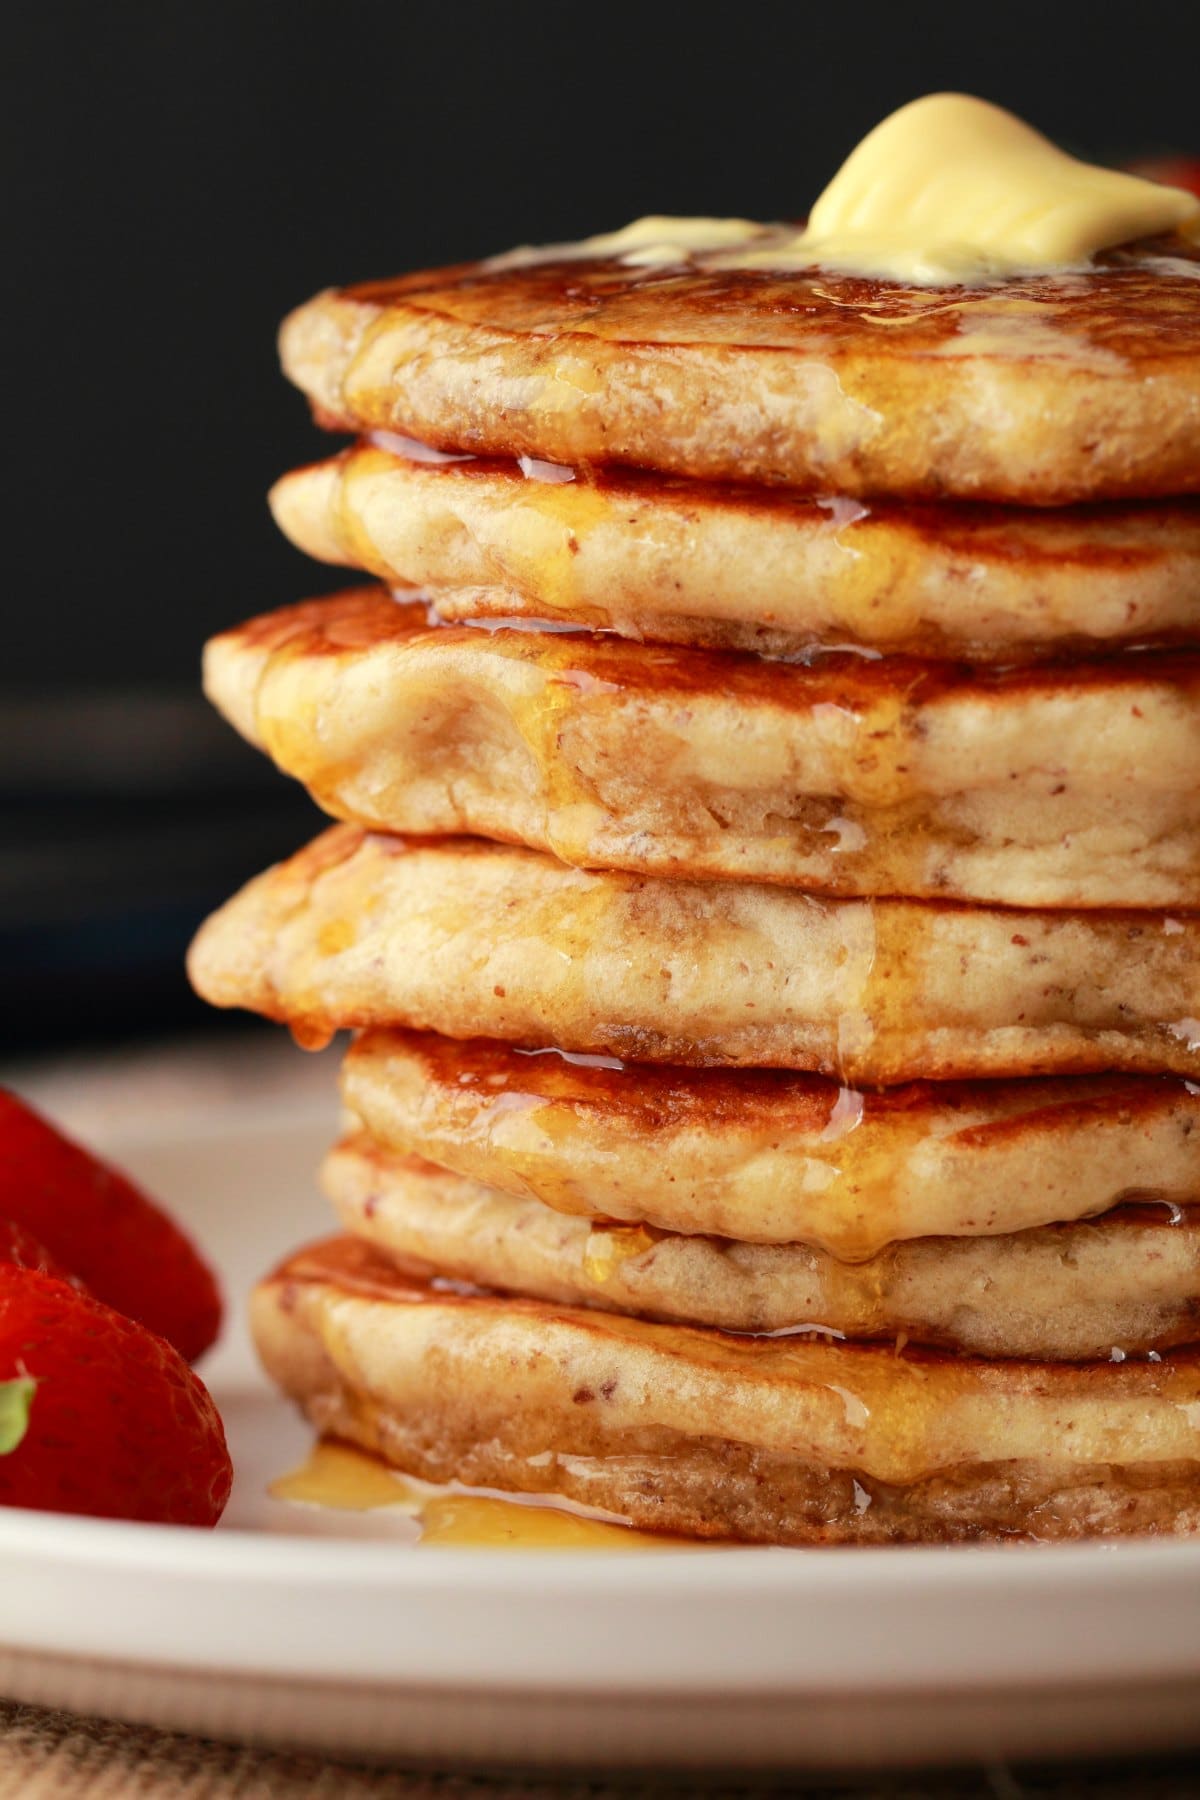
950, 188
662, 239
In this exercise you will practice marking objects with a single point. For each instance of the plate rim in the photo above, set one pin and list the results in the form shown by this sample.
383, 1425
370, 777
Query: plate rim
1108, 1608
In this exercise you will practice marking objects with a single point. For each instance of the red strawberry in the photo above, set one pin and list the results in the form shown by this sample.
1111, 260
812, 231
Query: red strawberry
99, 1416
94, 1221
21, 1247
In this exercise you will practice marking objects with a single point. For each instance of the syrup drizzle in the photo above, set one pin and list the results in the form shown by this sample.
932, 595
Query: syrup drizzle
341, 1478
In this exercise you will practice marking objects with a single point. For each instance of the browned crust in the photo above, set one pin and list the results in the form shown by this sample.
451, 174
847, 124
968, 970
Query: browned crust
1054, 787
479, 940
359, 620
1128, 1282
765, 1156
658, 558
459, 1422
1040, 390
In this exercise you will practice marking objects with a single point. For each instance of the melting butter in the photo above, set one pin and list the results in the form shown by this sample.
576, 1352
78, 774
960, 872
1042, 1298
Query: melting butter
949, 190
656, 241
659, 239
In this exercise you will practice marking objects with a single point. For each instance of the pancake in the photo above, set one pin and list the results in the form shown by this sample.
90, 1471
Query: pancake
1041, 389
480, 940
743, 568
769, 1157
1046, 787
1129, 1281
710, 1435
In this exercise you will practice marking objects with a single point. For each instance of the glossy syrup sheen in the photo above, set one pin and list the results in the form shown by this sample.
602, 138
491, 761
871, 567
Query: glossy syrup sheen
811, 380
1135, 302
896, 1386
1098, 537
853, 777
477, 1076
658, 558
874, 545
344, 1479
876, 1029
581, 666
428, 1377
1085, 533
847, 1171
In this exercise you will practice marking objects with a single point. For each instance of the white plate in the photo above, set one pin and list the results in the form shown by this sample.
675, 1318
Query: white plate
328, 1630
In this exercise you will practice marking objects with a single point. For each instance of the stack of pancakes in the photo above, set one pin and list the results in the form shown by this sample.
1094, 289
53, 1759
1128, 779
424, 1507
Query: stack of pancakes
765, 897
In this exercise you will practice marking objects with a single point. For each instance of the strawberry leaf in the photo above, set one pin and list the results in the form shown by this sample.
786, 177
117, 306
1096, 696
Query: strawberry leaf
16, 1401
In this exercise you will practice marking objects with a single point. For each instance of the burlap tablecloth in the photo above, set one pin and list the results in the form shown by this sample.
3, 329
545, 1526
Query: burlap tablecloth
57, 1756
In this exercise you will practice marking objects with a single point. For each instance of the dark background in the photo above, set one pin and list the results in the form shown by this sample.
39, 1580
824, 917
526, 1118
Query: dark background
177, 176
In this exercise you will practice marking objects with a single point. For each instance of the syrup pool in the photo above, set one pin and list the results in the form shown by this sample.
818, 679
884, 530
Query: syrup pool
342, 1478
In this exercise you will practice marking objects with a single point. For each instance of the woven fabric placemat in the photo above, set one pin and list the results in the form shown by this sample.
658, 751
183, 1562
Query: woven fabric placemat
46, 1755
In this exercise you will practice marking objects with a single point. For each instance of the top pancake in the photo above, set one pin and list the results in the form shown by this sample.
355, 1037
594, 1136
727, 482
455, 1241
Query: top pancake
1043, 389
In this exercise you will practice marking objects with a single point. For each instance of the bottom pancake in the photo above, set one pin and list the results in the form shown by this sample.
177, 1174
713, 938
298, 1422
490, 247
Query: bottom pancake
1129, 1281
703, 1434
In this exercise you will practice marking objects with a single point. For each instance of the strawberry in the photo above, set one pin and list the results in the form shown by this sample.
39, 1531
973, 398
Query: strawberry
93, 1221
99, 1416
21, 1247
